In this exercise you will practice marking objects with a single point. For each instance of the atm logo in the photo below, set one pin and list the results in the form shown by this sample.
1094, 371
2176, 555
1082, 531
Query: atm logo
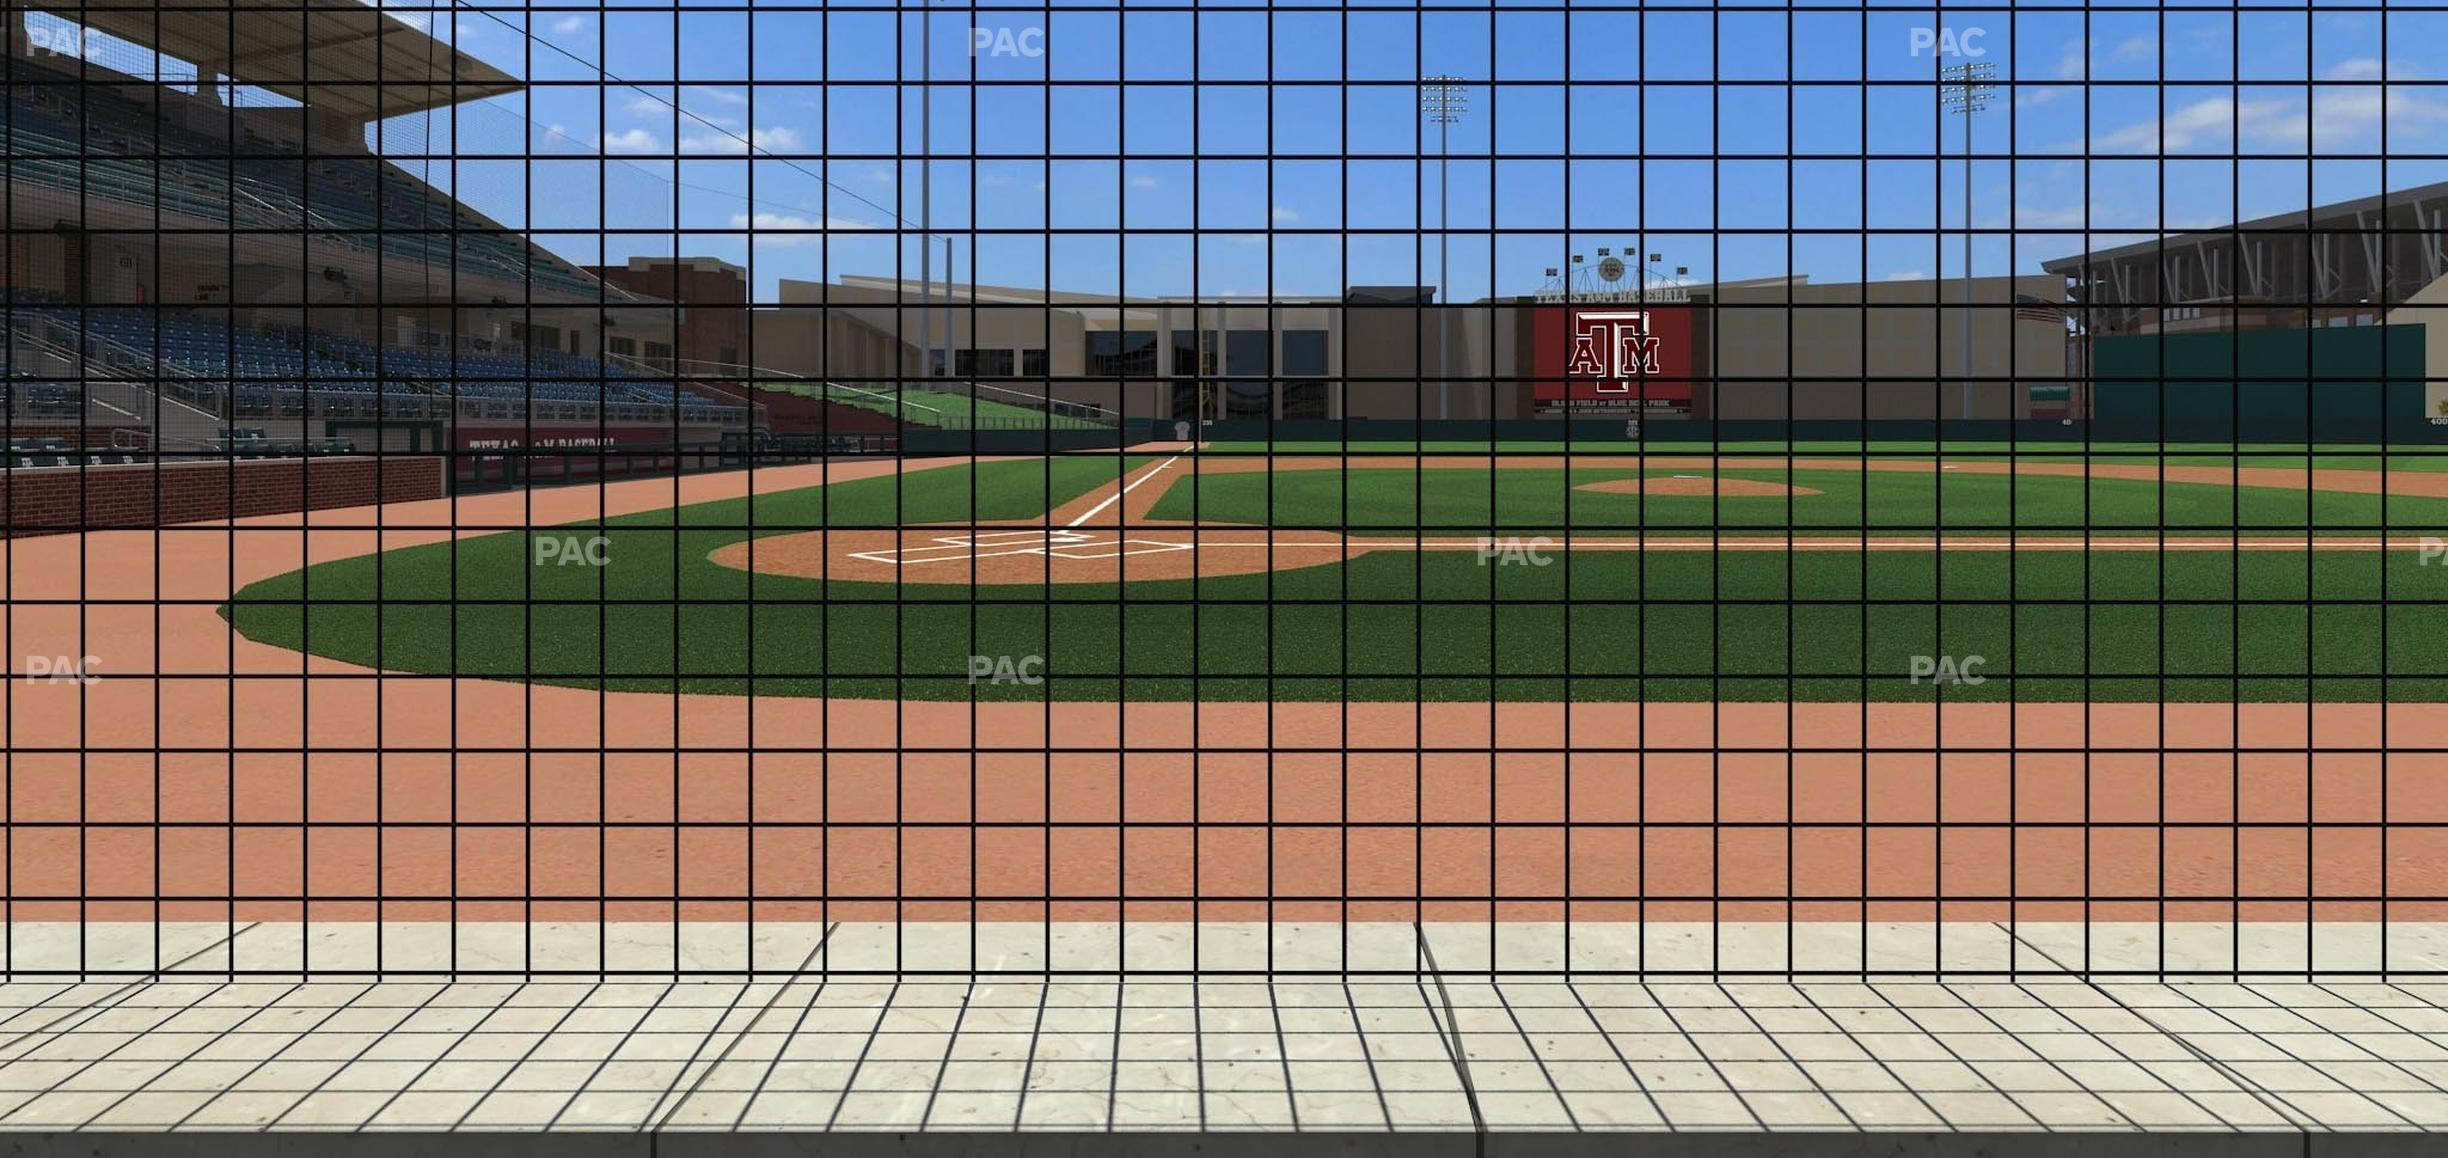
1602, 359
1610, 348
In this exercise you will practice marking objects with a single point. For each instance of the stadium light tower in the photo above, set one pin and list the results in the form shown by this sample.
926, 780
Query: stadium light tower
1443, 101
926, 206
1967, 89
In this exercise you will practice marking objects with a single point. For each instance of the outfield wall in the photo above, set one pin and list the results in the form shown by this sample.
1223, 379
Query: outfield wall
2343, 384
1699, 434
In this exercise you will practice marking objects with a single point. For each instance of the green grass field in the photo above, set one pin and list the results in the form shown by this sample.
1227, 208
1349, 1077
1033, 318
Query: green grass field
2207, 626
1544, 501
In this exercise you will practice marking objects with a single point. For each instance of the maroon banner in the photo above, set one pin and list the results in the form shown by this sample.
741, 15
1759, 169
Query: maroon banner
1596, 357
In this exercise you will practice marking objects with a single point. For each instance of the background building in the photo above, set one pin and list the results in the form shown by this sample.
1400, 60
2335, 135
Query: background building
1757, 350
2330, 323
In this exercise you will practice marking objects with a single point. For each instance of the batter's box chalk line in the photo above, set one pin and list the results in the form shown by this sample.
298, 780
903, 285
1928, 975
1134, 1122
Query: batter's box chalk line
1128, 547
1060, 544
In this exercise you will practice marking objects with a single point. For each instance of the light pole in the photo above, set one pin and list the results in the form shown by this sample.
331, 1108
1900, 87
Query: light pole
1969, 89
1443, 101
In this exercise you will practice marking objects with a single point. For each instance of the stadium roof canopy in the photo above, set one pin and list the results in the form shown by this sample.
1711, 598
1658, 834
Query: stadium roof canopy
2383, 211
338, 55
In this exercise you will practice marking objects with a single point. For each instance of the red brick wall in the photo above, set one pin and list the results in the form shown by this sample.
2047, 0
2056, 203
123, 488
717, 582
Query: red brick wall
46, 501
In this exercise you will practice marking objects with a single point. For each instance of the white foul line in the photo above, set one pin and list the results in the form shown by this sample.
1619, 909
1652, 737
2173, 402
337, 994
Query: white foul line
1128, 488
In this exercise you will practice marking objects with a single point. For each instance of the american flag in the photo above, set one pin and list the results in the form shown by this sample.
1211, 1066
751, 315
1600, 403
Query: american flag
2032, 309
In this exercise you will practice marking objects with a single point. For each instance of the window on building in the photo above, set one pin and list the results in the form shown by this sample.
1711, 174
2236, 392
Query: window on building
1248, 352
1304, 353
1033, 363
976, 363
1188, 399
1122, 353
1304, 399
1188, 357
1247, 400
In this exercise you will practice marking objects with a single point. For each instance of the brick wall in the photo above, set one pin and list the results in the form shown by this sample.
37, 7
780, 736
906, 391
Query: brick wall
47, 501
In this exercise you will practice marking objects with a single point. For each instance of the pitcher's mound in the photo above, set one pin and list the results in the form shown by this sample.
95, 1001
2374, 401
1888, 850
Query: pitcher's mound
1700, 485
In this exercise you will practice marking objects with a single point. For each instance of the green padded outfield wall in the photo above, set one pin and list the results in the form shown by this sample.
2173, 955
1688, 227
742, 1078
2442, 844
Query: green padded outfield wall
2341, 384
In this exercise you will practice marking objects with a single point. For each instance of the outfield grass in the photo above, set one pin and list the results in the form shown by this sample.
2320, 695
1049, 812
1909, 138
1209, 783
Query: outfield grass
1544, 501
1391, 626
2337, 456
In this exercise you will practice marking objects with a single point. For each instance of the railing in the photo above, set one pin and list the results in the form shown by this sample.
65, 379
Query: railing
857, 396
538, 466
1090, 416
103, 398
1058, 407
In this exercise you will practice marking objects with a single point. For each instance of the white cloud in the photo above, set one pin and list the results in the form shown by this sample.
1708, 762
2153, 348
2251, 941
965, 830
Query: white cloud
795, 226
2083, 53
2340, 117
2211, 121
2352, 116
2059, 217
1143, 182
632, 141
2070, 59
723, 96
1284, 216
778, 139
1907, 275
569, 25
2032, 97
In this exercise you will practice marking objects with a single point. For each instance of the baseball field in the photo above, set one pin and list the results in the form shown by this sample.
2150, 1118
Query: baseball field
1465, 575
1337, 689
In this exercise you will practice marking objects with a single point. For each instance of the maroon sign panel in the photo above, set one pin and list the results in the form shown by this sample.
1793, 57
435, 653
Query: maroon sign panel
1597, 357
557, 452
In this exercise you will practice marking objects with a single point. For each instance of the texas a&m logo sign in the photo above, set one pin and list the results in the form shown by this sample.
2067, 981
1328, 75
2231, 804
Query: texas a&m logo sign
1612, 348
1594, 359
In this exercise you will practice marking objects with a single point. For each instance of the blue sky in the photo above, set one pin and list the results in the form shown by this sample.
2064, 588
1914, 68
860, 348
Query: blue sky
807, 117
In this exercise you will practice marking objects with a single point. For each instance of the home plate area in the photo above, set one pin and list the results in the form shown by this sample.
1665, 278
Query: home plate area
1060, 544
